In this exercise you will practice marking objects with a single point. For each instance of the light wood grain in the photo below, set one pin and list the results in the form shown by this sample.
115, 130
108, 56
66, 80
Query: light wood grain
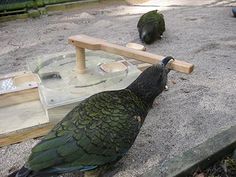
9, 75
20, 116
17, 97
80, 60
91, 43
136, 46
25, 134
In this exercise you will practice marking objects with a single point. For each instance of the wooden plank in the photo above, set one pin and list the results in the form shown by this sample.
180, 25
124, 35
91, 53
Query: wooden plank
56, 114
20, 96
25, 134
20, 116
91, 43
9, 75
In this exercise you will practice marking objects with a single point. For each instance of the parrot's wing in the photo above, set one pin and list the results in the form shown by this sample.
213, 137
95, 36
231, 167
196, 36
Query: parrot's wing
98, 131
146, 18
161, 24
152, 17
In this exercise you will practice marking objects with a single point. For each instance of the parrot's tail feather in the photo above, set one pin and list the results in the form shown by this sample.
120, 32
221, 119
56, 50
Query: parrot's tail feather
23, 172
13, 174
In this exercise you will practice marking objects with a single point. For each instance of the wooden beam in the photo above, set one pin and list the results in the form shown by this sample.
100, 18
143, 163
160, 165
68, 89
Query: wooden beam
87, 42
21, 96
25, 134
9, 75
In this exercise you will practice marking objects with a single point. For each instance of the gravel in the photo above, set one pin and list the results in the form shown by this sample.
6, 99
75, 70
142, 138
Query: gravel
195, 107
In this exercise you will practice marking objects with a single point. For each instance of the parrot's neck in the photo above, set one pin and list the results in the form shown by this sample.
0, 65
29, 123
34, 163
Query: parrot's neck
145, 97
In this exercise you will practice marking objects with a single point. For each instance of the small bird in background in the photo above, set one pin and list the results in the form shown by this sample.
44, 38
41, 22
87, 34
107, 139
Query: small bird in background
151, 26
234, 11
99, 131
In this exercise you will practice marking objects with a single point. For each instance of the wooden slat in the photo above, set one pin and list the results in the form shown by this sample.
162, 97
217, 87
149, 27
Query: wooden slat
25, 134
9, 75
83, 41
17, 97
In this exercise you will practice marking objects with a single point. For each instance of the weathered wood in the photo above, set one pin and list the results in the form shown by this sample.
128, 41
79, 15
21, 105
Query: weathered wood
91, 43
25, 134
56, 114
9, 75
20, 116
136, 46
80, 60
23, 87
21, 96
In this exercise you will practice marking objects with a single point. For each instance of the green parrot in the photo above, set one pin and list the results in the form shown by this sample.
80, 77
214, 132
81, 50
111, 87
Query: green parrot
151, 26
99, 131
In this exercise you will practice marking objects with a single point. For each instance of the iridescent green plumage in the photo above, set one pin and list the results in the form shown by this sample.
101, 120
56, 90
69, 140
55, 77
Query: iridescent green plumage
99, 131
151, 26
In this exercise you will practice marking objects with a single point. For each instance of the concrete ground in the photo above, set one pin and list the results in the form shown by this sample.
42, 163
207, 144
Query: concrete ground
196, 106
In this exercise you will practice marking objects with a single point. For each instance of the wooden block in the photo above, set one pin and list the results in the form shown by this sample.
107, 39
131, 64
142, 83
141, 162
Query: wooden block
9, 75
91, 43
18, 97
18, 88
25, 134
58, 113
136, 46
20, 116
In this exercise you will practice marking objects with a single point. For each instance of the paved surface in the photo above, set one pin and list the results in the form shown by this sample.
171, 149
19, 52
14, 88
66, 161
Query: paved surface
196, 107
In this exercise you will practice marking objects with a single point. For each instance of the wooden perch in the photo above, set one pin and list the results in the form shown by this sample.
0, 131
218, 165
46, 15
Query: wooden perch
82, 42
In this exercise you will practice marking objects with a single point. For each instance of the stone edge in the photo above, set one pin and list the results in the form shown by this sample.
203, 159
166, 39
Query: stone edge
200, 156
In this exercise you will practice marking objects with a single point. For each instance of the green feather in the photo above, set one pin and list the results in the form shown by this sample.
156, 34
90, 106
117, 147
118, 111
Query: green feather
96, 132
151, 24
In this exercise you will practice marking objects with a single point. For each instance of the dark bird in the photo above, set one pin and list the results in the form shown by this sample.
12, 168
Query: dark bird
99, 131
151, 26
234, 11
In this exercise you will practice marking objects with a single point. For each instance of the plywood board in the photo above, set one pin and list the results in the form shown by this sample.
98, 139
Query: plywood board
17, 97
58, 113
21, 116
25, 134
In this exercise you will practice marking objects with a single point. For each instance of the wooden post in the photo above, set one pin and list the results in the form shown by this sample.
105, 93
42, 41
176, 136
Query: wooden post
80, 60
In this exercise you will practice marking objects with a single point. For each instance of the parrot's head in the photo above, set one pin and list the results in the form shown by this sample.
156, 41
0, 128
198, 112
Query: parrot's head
148, 34
151, 82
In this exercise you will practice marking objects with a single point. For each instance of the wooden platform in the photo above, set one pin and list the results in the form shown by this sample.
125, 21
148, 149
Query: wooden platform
23, 114
20, 116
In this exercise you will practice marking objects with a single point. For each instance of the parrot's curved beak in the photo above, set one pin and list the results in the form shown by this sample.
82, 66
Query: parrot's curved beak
166, 60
